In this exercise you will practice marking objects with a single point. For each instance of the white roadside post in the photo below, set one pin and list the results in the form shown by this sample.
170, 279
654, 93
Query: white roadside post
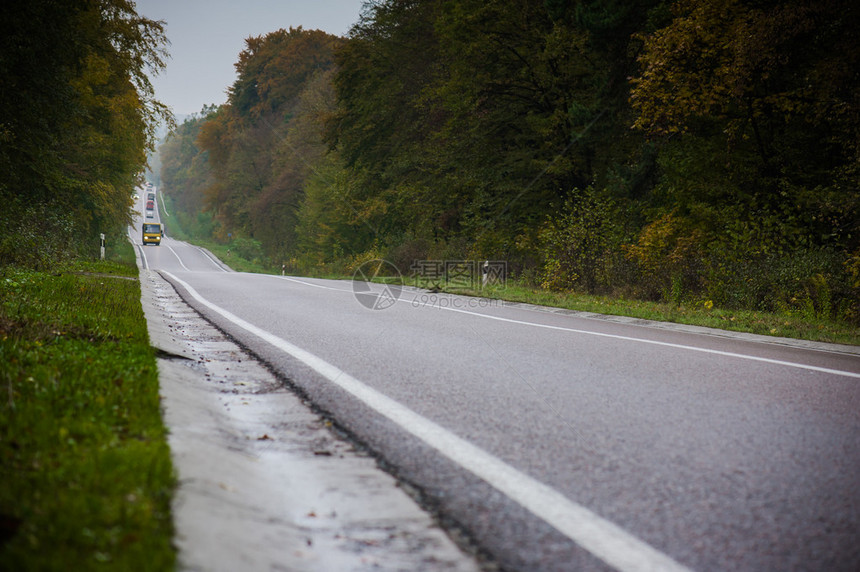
102, 247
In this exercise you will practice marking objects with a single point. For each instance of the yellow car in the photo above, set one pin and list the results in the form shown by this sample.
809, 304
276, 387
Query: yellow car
152, 233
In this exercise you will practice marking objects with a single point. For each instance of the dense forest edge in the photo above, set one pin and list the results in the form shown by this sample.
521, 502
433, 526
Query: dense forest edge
86, 473
689, 151
78, 115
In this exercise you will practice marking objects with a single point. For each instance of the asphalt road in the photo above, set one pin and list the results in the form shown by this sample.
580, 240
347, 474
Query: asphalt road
566, 443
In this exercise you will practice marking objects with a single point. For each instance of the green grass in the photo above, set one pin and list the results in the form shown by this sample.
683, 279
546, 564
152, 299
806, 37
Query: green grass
765, 323
226, 255
86, 472
788, 325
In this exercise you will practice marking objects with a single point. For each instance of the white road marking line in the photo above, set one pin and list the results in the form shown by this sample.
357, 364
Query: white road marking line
599, 536
665, 344
204, 253
163, 204
617, 337
288, 279
139, 248
177, 257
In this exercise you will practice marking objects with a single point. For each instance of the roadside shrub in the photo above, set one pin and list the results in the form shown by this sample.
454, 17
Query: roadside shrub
247, 248
38, 236
668, 255
812, 283
356, 261
201, 226
852, 268
577, 244
404, 255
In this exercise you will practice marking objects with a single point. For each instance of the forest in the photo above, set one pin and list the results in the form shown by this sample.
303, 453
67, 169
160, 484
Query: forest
700, 151
77, 116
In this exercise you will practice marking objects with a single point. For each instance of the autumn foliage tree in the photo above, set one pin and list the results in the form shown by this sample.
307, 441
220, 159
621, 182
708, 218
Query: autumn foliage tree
258, 144
756, 105
77, 115
688, 150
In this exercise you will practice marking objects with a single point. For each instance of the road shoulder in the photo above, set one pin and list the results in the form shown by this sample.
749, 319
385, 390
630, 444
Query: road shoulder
263, 482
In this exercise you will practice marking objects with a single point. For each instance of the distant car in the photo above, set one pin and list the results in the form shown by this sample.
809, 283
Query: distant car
150, 214
150, 205
150, 196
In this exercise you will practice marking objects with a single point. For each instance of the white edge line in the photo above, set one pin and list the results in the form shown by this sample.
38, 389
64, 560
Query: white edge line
177, 257
139, 248
289, 279
666, 344
206, 254
618, 337
143, 256
597, 535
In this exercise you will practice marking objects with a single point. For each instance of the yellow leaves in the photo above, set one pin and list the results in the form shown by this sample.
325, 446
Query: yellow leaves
852, 265
654, 241
732, 61
691, 67
665, 246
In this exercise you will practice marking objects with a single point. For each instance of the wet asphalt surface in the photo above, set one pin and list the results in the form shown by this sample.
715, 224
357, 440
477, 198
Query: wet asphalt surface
719, 461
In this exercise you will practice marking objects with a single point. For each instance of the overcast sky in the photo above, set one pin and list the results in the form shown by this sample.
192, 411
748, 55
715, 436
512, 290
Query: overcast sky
207, 35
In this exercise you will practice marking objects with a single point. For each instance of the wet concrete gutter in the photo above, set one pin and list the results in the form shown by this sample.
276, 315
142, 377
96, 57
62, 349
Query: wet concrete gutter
264, 483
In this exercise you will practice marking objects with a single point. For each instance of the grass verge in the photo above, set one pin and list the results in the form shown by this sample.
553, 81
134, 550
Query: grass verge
764, 323
231, 259
788, 325
86, 471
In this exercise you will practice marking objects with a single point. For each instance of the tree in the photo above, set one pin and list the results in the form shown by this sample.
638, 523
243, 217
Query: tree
470, 118
756, 107
775, 82
185, 171
77, 111
260, 145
